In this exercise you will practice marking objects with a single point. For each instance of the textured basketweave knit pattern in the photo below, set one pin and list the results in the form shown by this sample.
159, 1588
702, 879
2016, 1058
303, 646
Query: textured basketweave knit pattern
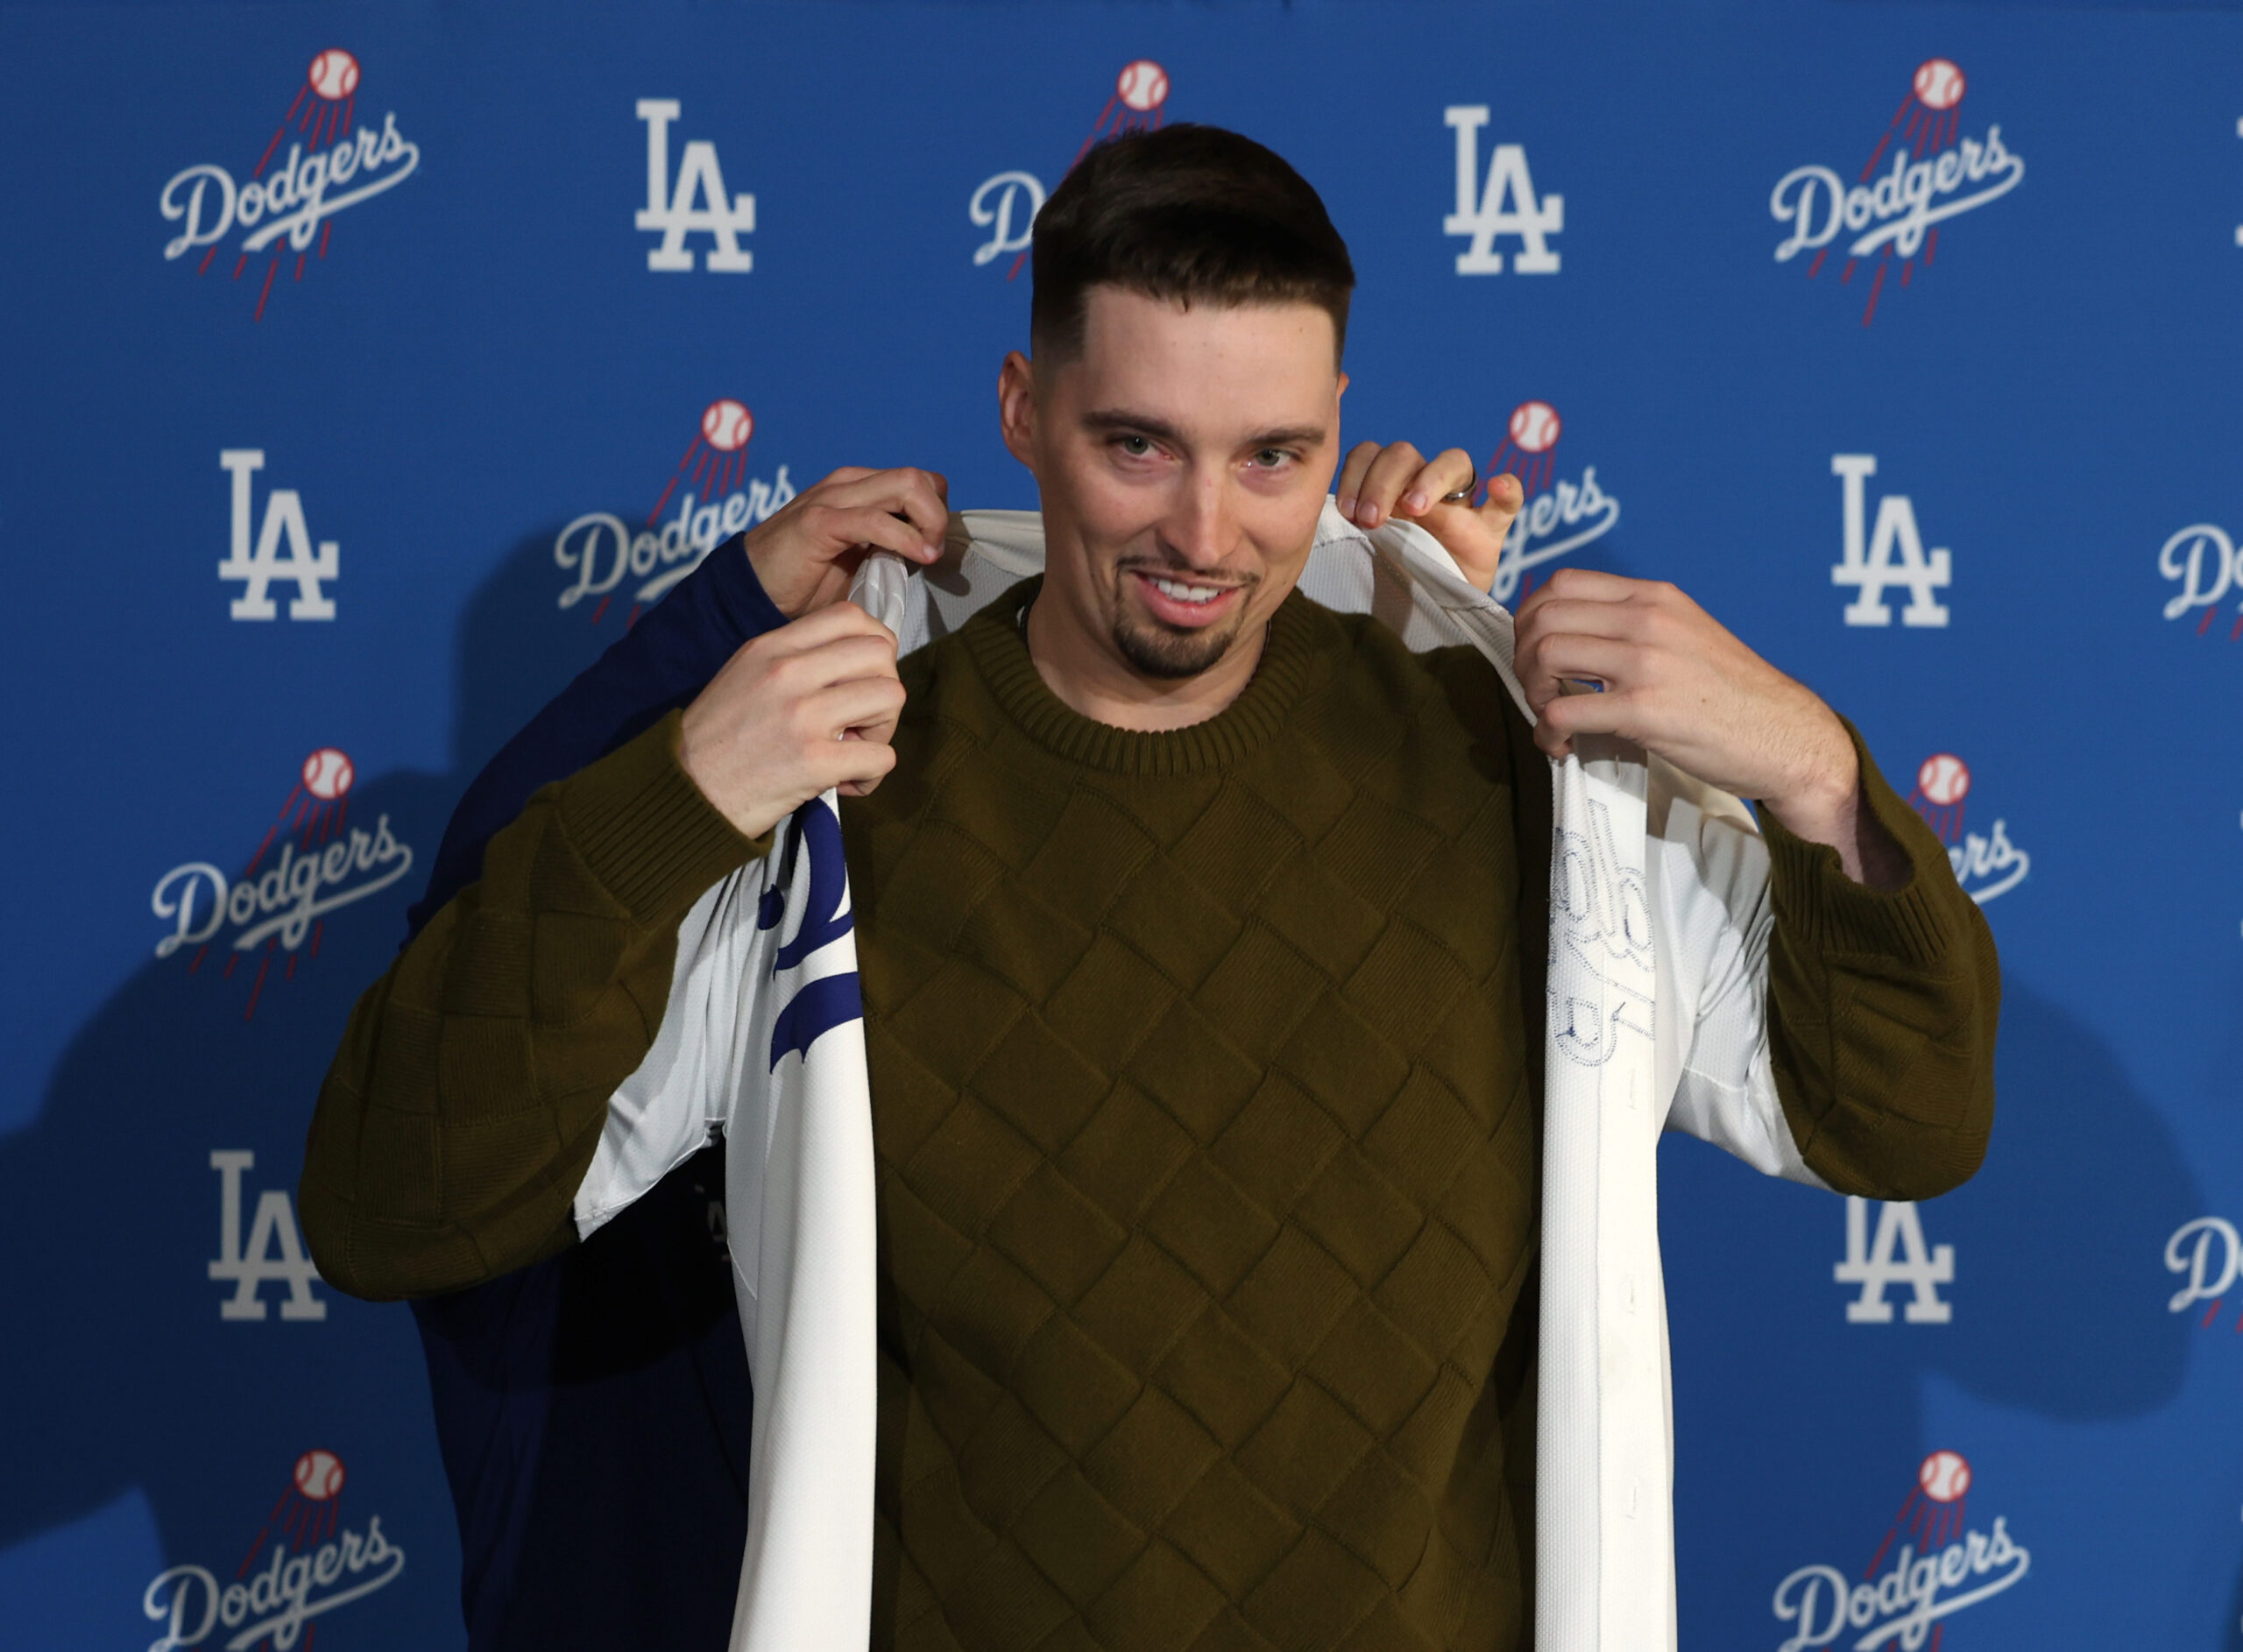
1204, 1085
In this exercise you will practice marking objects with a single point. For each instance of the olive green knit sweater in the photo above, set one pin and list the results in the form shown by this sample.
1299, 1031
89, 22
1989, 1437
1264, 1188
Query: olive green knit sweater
1205, 1090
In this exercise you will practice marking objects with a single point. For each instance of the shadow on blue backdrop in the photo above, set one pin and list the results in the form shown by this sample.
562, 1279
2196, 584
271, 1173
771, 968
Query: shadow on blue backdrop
1798, 1433
127, 1396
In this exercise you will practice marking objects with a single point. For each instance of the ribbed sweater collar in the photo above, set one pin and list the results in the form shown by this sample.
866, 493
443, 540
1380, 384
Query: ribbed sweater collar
1290, 660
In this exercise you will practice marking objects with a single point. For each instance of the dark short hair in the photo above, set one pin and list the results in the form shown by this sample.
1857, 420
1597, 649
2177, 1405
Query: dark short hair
1189, 213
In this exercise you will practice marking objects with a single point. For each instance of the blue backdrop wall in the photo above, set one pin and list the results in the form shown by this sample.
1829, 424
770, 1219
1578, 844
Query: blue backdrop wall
368, 368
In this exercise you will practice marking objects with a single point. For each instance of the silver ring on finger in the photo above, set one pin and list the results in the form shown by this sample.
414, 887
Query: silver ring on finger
1464, 495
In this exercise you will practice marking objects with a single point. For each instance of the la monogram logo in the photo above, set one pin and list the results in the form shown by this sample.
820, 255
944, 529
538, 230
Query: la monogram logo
698, 204
261, 567
1874, 1266
275, 1253
1505, 205
1869, 564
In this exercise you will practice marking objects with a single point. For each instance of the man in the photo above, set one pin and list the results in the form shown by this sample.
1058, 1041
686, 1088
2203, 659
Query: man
1202, 931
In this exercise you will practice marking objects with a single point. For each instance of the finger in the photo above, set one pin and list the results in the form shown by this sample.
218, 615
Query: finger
851, 761
1572, 716
1556, 615
846, 528
1352, 475
1572, 657
873, 763
1449, 471
919, 497
844, 660
1388, 474
1506, 499
1587, 584
869, 706
829, 624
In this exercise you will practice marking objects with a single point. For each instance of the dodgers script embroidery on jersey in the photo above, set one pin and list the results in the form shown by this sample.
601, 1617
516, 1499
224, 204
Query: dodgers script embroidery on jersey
1600, 944
719, 500
279, 210
829, 1002
316, 1565
1006, 203
1505, 205
1940, 1567
2202, 559
1934, 174
698, 205
1893, 555
324, 863
262, 565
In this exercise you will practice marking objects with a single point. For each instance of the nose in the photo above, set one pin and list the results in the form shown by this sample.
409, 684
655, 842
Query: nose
1202, 530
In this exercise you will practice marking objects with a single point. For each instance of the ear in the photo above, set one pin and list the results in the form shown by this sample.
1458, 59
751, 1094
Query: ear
1016, 407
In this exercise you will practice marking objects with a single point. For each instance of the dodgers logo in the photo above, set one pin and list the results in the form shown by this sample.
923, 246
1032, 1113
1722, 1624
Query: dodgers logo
813, 843
1006, 203
2203, 560
719, 500
315, 1565
1942, 1566
1985, 865
1559, 515
2208, 1257
1933, 175
1600, 959
333, 163
323, 865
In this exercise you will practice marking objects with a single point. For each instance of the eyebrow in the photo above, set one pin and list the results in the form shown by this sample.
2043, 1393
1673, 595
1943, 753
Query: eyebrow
1122, 418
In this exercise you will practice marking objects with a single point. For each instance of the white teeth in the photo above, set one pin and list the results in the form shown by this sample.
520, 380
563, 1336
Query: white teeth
1170, 588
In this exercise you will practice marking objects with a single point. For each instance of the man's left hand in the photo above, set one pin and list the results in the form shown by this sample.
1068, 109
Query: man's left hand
1676, 682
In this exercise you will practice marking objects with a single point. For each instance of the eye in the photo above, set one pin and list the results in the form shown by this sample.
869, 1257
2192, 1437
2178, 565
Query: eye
1136, 447
1270, 458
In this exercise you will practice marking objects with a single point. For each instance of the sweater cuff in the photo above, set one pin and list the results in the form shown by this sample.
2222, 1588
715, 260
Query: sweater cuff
1822, 907
645, 833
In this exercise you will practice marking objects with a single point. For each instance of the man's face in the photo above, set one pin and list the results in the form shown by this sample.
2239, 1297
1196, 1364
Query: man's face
1183, 457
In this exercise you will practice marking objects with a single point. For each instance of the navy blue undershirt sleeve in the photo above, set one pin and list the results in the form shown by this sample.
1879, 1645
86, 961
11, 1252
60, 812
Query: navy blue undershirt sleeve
660, 664
594, 1410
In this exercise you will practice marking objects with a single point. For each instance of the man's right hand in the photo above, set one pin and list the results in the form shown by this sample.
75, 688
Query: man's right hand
796, 712
805, 553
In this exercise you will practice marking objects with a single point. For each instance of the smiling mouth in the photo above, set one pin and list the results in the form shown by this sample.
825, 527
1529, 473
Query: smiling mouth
1177, 591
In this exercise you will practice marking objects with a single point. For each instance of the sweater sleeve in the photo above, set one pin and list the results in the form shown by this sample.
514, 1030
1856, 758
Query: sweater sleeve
473, 1083
1882, 1010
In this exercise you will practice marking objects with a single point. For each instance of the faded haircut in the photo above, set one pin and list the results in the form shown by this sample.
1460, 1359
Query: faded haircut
1193, 214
